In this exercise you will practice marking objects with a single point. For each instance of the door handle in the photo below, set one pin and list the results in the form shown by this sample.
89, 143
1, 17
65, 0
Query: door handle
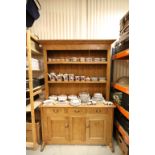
55, 110
98, 110
76, 110
66, 125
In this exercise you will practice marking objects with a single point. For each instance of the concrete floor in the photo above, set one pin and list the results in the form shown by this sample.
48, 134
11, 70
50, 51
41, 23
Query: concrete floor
76, 150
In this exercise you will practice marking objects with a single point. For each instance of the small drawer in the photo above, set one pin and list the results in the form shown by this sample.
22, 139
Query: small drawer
54, 111
77, 110
57, 110
97, 110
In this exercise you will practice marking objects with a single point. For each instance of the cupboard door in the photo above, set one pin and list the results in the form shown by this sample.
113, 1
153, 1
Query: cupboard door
78, 129
96, 129
57, 130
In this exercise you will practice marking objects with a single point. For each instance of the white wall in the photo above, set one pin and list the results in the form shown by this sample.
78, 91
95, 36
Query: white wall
80, 19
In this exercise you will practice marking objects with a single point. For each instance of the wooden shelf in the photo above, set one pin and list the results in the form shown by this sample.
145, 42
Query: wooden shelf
121, 88
37, 92
121, 55
33, 70
122, 110
34, 51
77, 63
122, 132
34, 38
77, 82
36, 88
36, 104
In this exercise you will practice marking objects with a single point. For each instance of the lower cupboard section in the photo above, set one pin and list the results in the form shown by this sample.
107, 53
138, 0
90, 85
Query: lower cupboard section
77, 125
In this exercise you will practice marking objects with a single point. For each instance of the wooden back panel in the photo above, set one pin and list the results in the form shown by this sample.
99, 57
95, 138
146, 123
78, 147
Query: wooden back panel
76, 53
86, 70
72, 88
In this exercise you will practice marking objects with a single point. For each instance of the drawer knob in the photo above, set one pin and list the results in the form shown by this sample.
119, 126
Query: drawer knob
56, 110
76, 110
98, 110
66, 125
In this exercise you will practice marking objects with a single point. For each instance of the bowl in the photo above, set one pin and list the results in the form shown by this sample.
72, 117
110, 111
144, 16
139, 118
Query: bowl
53, 97
62, 98
48, 101
72, 97
75, 102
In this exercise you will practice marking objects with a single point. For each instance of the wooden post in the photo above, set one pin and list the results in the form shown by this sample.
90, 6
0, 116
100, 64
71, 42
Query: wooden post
31, 88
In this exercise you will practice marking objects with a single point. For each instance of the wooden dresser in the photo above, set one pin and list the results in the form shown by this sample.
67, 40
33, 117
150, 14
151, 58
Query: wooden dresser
65, 124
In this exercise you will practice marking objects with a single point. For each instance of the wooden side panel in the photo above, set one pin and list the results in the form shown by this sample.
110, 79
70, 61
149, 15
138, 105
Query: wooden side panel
108, 74
46, 74
110, 126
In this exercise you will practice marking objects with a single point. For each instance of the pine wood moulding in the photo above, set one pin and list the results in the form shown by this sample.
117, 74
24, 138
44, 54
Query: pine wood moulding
123, 111
121, 55
89, 63
122, 132
121, 88
76, 82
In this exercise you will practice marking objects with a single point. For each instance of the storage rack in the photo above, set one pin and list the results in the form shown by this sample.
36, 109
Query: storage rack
31, 52
122, 55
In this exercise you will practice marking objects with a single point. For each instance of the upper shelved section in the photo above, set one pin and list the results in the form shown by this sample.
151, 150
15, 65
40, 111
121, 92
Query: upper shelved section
121, 55
124, 89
